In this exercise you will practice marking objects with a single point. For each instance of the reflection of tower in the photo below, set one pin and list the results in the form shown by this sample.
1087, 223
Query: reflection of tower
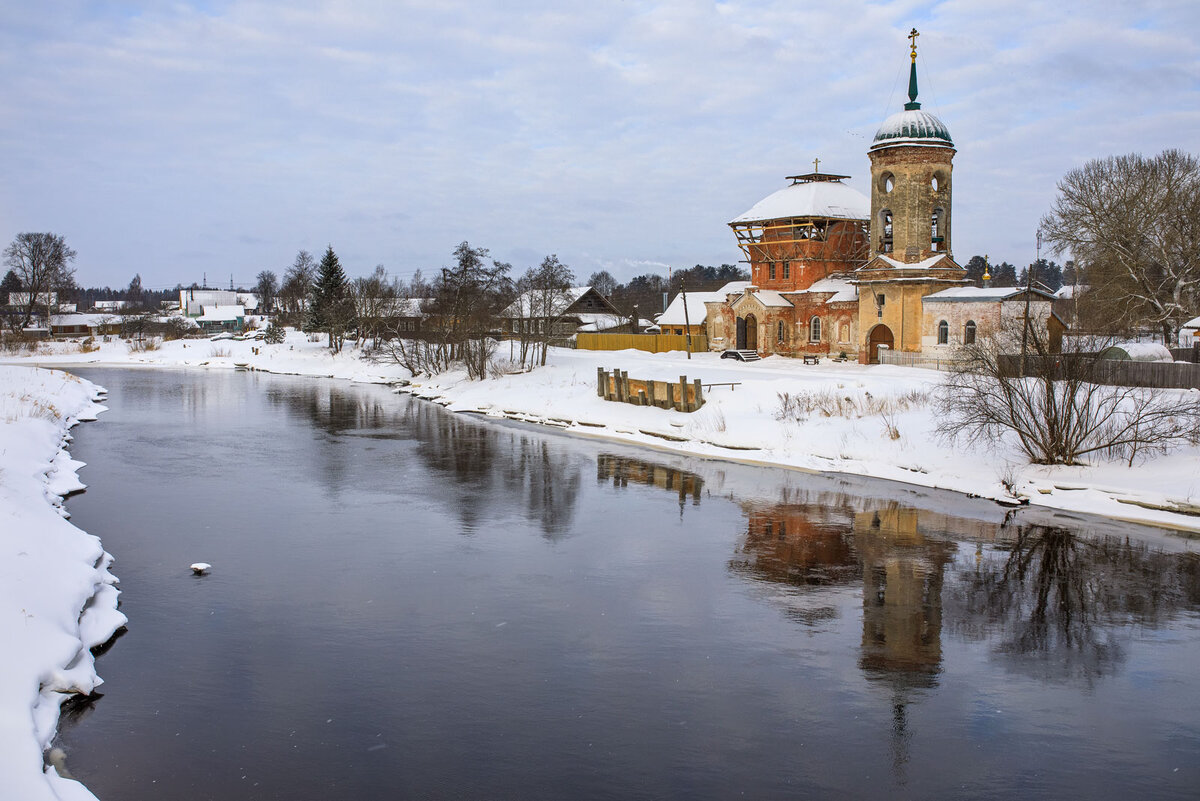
902, 597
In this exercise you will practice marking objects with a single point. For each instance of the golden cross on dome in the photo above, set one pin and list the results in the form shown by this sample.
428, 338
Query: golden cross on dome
912, 37
816, 165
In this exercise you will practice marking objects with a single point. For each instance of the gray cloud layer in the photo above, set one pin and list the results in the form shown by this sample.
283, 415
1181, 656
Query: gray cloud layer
171, 139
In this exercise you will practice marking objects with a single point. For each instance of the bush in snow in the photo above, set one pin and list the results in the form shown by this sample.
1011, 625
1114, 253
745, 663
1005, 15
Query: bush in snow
1056, 407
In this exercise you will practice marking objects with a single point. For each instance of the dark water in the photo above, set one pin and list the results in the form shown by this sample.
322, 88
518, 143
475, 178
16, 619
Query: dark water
410, 604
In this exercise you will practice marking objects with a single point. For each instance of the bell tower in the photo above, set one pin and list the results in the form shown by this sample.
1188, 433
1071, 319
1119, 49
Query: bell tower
911, 167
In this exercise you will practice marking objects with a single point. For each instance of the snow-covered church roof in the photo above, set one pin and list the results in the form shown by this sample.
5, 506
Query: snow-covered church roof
820, 198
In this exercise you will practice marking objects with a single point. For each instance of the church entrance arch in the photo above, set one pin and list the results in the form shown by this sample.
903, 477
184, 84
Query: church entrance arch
880, 335
747, 333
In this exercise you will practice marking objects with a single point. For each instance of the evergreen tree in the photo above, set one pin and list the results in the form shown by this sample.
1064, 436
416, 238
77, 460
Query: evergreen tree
11, 283
1045, 272
975, 268
330, 309
1071, 275
1004, 274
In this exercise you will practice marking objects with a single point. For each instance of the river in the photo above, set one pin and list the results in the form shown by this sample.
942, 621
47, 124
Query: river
406, 603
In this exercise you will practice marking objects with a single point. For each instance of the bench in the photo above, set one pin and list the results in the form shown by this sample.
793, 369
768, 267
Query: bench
730, 384
811, 359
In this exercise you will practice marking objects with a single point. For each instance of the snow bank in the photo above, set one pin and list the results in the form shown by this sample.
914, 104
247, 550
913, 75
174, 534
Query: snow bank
57, 597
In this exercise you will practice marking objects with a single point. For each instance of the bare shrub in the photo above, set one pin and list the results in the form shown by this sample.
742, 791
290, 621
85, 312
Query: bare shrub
144, 345
889, 425
88, 345
218, 352
503, 367
1058, 411
799, 406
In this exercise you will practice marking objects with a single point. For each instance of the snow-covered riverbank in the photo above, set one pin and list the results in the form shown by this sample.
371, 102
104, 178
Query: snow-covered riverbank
57, 598
845, 418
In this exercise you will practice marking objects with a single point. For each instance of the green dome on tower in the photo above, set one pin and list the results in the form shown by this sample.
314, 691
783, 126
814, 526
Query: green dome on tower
912, 126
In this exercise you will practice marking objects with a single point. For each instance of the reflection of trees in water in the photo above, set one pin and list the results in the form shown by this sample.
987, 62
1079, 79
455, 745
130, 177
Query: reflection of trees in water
335, 410
1050, 594
494, 467
331, 408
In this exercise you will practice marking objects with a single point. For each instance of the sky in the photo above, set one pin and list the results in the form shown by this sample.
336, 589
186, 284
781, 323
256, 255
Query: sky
186, 141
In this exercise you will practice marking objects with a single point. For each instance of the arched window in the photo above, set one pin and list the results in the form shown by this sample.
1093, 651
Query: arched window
779, 331
943, 332
814, 329
937, 236
969, 333
885, 241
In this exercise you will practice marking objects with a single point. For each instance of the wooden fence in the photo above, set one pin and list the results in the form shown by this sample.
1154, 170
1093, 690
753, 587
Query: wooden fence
617, 386
1163, 375
652, 343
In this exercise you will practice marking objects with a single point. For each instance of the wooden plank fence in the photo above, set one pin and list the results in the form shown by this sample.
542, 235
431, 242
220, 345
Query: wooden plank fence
1163, 375
616, 385
652, 343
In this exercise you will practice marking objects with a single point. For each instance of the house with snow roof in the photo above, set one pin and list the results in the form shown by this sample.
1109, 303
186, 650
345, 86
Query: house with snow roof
562, 313
693, 318
835, 272
221, 318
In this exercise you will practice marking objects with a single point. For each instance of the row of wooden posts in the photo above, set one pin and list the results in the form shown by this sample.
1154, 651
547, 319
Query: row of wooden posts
616, 385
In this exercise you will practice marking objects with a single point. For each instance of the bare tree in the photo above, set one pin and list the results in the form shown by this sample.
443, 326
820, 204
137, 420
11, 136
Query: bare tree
1059, 411
603, 282
42, 263
297, 284
134, 298
1134, 224
374, 298
466, 299
546, 298
266, 287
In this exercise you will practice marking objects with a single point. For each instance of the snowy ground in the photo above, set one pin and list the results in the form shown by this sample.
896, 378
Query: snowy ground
57, 598
871, 421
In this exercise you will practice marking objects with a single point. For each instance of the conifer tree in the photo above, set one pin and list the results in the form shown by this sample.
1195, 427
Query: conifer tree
331, 309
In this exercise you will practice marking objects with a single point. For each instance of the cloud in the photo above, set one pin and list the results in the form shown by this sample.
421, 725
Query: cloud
612, 134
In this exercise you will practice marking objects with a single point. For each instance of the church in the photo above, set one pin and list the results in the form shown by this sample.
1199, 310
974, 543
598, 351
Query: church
836, 273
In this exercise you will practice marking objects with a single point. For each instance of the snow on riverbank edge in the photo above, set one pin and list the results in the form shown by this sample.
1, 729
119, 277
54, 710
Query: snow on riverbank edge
738, 423
58, 599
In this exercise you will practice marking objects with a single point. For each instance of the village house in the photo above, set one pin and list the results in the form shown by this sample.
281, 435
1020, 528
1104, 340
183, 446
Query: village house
561, 314
82, 324
836, 273
676, 319
193, 301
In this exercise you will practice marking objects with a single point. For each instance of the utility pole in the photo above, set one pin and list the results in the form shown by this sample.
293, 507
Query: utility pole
1028, 294
687, 323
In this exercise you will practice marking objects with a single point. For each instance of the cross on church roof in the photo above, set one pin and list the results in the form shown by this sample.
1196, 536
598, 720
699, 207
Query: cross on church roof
816, 165
912, 37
